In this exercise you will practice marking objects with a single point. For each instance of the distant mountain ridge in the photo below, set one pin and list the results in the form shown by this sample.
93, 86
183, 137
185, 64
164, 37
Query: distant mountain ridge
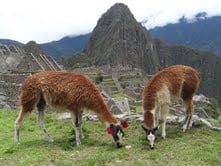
202, 33
11, 42
65, 46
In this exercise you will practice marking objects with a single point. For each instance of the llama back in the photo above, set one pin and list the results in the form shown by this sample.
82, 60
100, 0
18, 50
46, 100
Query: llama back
60, 89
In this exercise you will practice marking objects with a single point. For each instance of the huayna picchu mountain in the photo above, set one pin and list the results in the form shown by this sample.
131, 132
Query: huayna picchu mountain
119, 40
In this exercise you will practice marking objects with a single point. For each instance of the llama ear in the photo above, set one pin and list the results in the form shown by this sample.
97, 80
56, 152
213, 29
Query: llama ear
156, 128
124, 123
110, 129
143, 127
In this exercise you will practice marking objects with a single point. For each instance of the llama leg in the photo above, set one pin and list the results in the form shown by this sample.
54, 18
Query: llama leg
42, 126
189, 112
41, 107
163, 116
157, 117
80, 122
18, 124
76, 125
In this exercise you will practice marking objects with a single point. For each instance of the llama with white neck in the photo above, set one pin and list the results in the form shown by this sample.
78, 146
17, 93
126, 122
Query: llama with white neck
161, 90
65, 91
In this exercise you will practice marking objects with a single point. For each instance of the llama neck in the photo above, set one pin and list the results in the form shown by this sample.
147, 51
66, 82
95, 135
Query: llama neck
149, 100
149, 119
100, 108
106, 116
149, 104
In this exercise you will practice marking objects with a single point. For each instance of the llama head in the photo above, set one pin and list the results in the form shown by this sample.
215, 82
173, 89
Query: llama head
117, 132
151, 135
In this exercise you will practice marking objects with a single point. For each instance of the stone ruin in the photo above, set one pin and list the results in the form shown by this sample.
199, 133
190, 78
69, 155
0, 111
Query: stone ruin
15, 65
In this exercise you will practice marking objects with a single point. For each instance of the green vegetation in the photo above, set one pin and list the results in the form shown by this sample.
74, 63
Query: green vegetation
122, 96
213, 109
130, 76
198, 146
139, 108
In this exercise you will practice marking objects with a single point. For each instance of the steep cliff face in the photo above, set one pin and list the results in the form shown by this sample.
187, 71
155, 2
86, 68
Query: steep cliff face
208, 64
119, 40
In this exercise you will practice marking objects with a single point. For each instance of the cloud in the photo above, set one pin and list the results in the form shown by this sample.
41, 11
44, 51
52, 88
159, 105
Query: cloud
47, 20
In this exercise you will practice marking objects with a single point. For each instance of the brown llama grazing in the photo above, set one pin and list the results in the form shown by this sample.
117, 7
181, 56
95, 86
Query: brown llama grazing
161, 90
65, 91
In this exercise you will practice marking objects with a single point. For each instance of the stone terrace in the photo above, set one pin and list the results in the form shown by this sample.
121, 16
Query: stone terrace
15, 66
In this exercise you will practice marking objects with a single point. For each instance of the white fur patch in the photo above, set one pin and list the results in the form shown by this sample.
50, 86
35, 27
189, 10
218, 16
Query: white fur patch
151, 139
163, 96
120, 135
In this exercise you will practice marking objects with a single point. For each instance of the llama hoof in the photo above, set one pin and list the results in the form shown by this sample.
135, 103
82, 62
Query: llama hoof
78, 143
189, 126
82, 137
184, 128
51, 140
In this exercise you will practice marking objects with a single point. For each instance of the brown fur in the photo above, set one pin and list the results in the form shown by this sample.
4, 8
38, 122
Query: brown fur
181, 81
65, 90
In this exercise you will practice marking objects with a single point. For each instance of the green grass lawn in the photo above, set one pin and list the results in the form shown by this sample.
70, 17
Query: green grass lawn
198, 146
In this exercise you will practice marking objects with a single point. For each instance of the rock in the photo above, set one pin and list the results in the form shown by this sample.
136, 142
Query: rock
62, 116
118, 106
116, 110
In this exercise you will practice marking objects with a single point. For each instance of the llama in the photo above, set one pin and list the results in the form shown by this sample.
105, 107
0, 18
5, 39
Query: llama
163, 88
69, 91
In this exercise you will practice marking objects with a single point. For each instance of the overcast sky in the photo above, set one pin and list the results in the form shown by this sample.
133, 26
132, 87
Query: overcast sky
49, 20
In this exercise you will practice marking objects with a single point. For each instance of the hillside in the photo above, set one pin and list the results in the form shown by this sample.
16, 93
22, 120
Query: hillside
65, 46
202, 32
9, 42
207, 63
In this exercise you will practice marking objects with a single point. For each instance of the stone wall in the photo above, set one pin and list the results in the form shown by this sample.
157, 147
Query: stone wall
15, 66
9, 89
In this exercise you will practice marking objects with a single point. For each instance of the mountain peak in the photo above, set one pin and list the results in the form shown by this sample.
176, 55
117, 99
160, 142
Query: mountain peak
119, 10
119, 40
33, 47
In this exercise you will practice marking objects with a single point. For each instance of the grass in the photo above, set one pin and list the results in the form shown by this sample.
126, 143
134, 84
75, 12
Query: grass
119, 95
139, 108
198, 146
